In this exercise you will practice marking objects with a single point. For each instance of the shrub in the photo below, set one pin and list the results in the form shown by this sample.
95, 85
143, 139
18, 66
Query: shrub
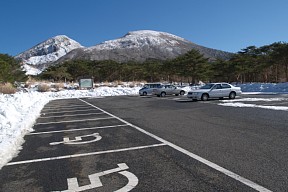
43, 88
59, 86
7, 88
131, 85
118, 83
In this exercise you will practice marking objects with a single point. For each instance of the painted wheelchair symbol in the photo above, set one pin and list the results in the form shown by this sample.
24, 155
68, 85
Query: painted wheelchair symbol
78, 140
95, 182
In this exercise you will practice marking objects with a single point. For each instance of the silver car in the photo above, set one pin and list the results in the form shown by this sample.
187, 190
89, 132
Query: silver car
168, 90
148, 88
215, 90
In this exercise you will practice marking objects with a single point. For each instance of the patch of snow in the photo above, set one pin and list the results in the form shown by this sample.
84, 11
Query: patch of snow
265, 87
255, 99
31, 70
282, 108
154, 33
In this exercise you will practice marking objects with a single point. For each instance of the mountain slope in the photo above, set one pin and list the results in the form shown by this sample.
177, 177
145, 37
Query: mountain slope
134, 46
142, 45
38, 57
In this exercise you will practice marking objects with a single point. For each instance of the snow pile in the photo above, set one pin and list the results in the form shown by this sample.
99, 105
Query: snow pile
264, 87
19, 111
99, 92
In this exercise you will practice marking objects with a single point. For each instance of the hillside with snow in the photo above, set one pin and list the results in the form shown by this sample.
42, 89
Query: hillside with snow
134, 46
142, 45
36, 59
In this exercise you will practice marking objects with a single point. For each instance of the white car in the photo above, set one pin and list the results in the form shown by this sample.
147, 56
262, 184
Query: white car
215, 90
168, 90
148, 88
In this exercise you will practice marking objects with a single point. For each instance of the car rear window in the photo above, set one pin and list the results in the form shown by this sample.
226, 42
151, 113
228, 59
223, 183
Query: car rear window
152, 85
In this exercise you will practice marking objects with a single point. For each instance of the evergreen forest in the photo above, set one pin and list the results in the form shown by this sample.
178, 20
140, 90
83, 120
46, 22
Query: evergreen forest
268, 63
10, 70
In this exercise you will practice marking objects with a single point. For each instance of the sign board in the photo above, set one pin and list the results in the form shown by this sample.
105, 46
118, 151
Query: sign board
86, 83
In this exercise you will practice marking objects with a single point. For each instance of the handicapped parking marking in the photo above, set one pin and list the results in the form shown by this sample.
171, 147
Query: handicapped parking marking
95, 182
78, 139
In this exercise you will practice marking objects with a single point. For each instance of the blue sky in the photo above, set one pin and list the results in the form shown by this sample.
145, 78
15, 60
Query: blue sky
228, 25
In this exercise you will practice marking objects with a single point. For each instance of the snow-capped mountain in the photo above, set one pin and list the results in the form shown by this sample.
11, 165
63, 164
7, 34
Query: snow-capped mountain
38, 57
138, 39
140, 46
134, 46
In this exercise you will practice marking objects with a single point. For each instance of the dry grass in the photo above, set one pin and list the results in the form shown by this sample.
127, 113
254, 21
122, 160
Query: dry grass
7, 88
139, 83
43, 87
118, 83
59, 86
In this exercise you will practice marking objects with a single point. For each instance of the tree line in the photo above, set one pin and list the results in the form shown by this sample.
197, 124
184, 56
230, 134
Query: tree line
253, 64
10, 70
268, 63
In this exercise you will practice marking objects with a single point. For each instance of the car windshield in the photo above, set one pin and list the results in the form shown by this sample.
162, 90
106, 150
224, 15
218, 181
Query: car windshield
207, 86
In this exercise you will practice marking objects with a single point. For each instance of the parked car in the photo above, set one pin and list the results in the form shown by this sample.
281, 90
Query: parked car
164, 90
148, 88
215, 90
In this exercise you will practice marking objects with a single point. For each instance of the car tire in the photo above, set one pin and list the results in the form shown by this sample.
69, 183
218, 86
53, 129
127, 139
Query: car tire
182, 92
144, 93
232, 95
205, 97
163, 94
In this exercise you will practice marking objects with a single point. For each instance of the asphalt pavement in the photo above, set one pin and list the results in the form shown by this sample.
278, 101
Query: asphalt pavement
148, 143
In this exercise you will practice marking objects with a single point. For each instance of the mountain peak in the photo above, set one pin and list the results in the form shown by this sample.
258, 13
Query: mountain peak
61, 36
144, 33
48, 51
138, 39
152, 33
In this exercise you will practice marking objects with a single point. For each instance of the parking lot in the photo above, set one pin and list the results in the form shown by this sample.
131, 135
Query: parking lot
152, 144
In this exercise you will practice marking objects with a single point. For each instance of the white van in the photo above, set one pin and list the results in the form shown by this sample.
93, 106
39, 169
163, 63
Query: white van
148, 88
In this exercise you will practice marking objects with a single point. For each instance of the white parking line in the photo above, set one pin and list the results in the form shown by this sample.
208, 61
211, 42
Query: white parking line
194, 156
72, 121
71, 115
85, 154
67, 111
80, 129
64, 106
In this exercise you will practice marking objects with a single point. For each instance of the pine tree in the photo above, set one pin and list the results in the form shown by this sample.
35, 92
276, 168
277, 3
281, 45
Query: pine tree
10, 69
